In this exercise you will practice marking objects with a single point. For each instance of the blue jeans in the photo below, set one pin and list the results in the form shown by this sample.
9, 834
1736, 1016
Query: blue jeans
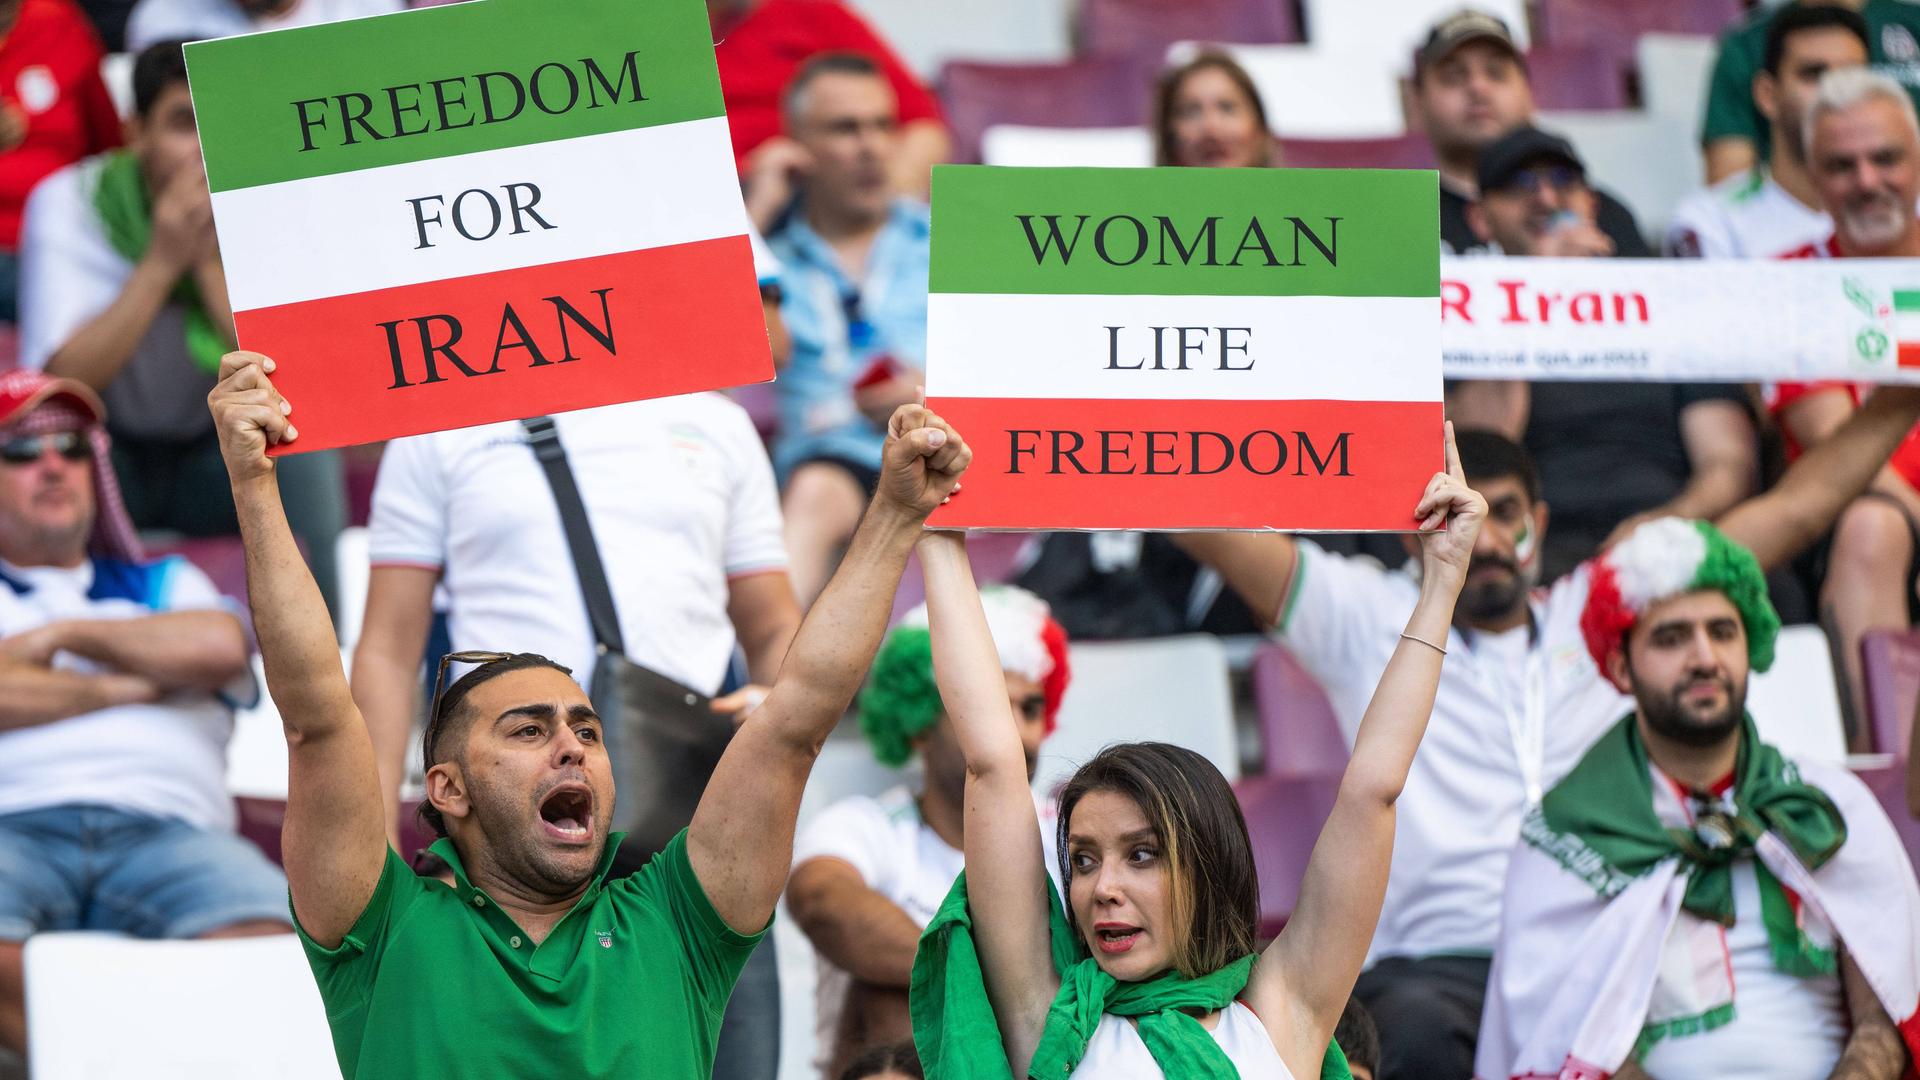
98, 868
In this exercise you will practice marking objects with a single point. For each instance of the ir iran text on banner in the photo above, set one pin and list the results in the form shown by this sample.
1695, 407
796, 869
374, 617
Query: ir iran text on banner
1187, 348
480, 212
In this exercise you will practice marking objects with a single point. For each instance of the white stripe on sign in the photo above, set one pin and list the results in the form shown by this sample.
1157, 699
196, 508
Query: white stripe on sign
1906, 326
360, 232
1237, 348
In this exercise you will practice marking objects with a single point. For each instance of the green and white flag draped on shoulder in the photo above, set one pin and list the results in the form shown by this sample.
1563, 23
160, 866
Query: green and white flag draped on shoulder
1616, 888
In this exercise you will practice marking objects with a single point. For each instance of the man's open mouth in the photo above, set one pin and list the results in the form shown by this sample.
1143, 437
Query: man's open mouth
567, 812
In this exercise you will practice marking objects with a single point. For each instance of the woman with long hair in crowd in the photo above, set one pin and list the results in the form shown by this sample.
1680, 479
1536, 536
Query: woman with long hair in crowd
1150, 968
1207, 113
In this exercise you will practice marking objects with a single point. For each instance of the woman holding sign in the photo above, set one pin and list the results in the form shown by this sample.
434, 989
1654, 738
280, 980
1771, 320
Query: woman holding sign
1151, 967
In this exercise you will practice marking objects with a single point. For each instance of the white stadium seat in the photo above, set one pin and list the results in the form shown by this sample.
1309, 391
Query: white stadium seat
1673, 74
1015, 144
1311, 93
1649, 161
102, 1005
1007, 31
1390, 30
1796, 703
1166, 689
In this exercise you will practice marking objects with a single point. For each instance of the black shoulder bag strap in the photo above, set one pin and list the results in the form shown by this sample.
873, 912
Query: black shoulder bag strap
573, 519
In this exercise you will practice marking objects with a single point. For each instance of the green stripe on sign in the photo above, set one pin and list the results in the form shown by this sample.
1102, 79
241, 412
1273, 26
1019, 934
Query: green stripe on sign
442, 81
1906, 299
1186, 232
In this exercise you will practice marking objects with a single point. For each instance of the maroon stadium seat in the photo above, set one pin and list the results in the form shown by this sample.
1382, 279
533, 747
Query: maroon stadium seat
1145, 28
1297, 725
1576, 77
221, 558
259, 821
1091, 92
1614, 26
1403, 152
1284, 817
1890, 667
995, 558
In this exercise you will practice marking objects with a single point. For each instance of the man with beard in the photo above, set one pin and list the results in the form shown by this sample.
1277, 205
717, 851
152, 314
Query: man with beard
1688, 902
1863, 143
1774, 207
531, 963
1519, 702
868, 873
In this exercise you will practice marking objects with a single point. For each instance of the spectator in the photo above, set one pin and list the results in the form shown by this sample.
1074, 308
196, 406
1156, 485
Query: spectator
693, 560
1359, 1041
896, 1062
1688, 902
117, 682
1865, 150
122, 289
1669, 448
53, 111
1518, 704
1774, 207
1734, 135
1208, 113
761, 46
854, 263
154, 21
868, 873
1470, 87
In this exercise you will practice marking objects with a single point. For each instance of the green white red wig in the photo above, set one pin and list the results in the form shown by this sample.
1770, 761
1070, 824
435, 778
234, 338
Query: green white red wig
901, 701
1670, 557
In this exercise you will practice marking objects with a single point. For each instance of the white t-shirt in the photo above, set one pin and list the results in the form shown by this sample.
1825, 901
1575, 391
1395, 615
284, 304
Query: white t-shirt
1745, 216
900, 857
1487, 753
1784, 1027
1116, 1051
167, 759
198, 20
681, 499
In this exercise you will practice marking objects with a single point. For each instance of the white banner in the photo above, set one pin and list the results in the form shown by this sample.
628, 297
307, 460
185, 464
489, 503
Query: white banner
1681, 320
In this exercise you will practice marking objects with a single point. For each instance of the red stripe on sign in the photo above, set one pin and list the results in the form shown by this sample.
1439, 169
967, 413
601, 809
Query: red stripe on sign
1909, 354
1100, 464
515, 343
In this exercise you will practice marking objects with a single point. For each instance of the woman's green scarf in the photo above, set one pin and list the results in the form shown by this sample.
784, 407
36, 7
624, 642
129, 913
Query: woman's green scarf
127, 213
959, 1039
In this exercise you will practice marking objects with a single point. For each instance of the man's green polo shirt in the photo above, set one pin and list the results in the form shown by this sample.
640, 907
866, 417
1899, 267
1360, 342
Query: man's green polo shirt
1893, 47
437, 981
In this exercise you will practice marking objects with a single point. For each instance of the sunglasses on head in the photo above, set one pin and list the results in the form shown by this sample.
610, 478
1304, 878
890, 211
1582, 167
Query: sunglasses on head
440, 689
25, 450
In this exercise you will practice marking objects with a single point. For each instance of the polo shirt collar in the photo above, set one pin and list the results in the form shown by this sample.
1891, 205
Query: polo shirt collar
467, 891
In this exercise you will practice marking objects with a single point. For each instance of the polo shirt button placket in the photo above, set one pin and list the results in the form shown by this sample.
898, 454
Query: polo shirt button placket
514, 941
479, 901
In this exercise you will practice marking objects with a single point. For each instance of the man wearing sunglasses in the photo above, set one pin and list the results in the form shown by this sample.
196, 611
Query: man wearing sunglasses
117, 682
531, 963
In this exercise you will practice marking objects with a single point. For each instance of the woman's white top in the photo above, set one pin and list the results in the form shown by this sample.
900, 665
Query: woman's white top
1117, 1052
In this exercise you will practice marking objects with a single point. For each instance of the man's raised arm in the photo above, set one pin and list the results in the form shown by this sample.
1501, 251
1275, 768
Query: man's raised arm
741, 839
333, 841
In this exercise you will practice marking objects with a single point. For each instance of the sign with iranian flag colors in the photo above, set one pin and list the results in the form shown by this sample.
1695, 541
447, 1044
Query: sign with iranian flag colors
480, 212
1187, 348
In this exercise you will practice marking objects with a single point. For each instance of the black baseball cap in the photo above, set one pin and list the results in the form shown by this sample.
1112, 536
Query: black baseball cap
1460, 28
1519, 150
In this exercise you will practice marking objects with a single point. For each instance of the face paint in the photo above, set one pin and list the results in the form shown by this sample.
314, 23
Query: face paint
1523, 544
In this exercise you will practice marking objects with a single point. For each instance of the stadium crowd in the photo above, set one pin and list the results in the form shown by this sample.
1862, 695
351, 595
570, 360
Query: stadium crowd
1568, 893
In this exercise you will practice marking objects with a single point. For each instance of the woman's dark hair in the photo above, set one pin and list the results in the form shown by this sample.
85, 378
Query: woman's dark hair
1214, 889
449, 720
158, 66
880, 1060
1169, 89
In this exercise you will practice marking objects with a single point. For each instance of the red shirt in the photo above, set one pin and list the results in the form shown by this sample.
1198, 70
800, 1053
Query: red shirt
50, 73
760, 51
1905, 460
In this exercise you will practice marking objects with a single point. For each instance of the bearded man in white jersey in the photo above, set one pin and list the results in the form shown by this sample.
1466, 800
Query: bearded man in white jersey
1774, 207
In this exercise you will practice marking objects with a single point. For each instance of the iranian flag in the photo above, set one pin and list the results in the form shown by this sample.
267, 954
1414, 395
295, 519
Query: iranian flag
1187, 348
480, 212
1906, 326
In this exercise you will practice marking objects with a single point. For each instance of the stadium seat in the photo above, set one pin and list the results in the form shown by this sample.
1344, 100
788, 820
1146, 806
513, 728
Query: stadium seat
1796, 703
799, 997
1313, 93
1299, 732
1890, 668
259, 820
101, 1005
1284, 817
1403, 152
1575, 77
762, 403
1673, 74
360, 468
1091, 92
997, 558
1101, 147
1615, 26
9, 346
1390, 30
352, 556
1145, 28
221, 558
1650, 161
927, 36
1170, 689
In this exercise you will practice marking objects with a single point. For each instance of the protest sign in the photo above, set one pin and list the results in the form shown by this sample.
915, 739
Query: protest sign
1186, 348
480, 212
1681, 320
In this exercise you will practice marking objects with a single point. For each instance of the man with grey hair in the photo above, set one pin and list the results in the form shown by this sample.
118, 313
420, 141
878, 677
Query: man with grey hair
854, 299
